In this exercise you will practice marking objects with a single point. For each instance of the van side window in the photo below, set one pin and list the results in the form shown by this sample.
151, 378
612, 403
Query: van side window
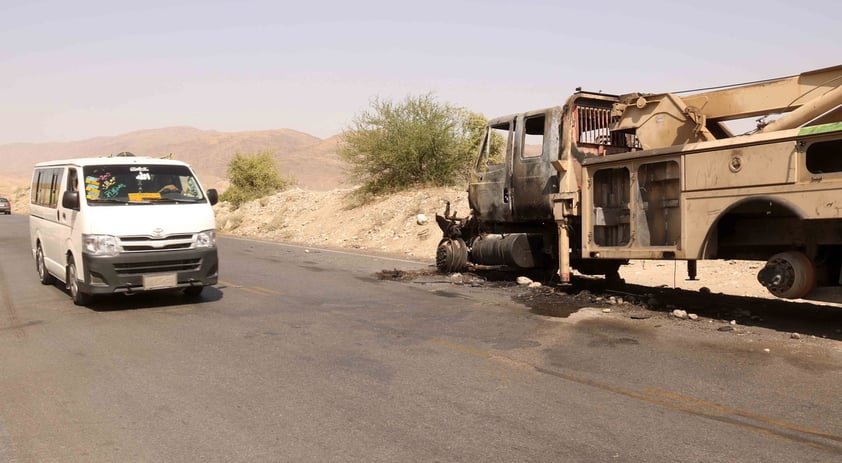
72, 180
34, 188
46, 183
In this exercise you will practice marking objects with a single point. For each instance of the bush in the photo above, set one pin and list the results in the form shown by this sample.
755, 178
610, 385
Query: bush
252, 177
395, 146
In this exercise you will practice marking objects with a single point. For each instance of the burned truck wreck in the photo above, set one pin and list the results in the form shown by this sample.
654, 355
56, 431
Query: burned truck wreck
608, 178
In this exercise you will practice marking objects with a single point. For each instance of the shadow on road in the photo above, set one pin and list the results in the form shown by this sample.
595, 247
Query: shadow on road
151, 299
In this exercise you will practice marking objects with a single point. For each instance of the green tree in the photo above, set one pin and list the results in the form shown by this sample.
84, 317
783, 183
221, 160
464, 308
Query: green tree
473, 126
252, 177
396, 145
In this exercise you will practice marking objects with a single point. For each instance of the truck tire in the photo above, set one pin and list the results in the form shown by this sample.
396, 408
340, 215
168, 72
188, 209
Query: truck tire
451, 255
788, 275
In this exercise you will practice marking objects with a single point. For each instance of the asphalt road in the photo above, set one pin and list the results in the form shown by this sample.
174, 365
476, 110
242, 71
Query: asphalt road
302, 354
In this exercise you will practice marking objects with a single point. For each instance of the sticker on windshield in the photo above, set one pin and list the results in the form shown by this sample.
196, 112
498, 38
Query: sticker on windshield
143, 196
103, 186
91, 187
142, 173
109, 188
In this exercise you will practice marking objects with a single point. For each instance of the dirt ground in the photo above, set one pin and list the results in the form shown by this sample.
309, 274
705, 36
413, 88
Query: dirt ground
391, 225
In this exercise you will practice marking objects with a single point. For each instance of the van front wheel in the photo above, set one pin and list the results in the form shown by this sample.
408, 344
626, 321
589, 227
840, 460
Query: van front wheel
79, 298
44, 275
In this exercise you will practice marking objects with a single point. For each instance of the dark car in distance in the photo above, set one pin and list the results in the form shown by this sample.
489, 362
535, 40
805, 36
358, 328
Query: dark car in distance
5, 206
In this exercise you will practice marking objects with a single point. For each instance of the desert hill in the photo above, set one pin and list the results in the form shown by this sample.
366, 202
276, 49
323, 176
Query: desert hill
312, 161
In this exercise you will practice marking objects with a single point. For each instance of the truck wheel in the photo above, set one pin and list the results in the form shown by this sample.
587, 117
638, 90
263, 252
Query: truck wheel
788, 275
79, 298
44, 276
451, 255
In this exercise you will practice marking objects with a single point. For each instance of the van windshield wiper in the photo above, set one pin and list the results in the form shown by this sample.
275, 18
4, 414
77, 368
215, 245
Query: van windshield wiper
174, 200
108, 201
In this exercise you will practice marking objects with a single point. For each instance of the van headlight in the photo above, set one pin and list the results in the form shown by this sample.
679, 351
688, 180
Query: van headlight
206, 239
101, 245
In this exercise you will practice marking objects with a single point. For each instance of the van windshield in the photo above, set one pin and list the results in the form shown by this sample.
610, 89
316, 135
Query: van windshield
139, 183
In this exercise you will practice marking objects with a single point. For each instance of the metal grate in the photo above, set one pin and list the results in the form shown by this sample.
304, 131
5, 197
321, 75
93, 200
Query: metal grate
594, 127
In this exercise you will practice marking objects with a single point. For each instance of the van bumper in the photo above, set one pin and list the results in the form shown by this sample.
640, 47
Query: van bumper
125, 273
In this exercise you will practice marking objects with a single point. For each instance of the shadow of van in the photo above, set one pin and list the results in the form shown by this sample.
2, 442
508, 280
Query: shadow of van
161, 298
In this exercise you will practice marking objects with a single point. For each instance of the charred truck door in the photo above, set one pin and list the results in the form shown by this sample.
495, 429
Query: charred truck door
534, 178
489, 192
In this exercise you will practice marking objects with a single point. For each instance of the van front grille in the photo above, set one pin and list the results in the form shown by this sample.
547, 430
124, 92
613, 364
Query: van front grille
140, 268
148, 243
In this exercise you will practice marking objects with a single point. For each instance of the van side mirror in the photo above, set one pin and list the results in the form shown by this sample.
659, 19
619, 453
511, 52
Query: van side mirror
213, 196
70, 200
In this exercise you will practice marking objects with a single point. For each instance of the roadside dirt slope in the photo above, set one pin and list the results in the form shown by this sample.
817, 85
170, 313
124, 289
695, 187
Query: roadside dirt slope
331, 218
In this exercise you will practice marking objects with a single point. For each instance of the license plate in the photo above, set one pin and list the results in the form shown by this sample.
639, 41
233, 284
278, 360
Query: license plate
164, 280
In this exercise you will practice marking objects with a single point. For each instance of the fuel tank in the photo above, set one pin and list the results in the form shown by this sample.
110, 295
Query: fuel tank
520, 250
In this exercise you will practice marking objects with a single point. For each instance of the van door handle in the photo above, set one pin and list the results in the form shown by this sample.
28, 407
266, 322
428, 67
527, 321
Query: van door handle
58, 216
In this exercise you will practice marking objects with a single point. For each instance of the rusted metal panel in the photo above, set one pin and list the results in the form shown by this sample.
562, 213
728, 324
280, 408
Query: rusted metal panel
768, 164
489, 200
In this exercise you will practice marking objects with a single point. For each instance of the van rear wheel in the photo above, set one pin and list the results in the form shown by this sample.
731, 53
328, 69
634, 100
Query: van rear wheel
79, 298
44, 276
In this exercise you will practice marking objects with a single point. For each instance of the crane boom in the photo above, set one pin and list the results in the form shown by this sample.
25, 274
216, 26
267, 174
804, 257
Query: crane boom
669, 119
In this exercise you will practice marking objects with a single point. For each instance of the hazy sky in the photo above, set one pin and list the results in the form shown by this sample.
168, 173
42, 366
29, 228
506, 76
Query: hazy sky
72, 70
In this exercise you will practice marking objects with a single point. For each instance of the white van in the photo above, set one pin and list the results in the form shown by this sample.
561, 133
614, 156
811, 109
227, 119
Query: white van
122, 224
